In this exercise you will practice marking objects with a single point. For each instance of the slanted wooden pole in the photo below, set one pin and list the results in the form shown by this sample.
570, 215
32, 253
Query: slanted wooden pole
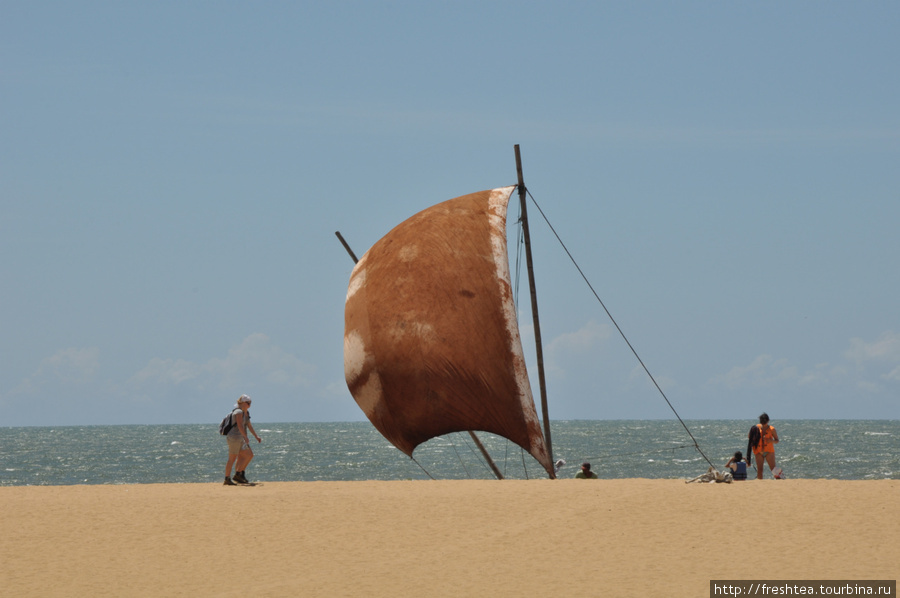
346, 246
486, 455
478, 443
545, 411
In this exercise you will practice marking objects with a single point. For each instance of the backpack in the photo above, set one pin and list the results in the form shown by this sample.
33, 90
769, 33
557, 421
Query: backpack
227, 424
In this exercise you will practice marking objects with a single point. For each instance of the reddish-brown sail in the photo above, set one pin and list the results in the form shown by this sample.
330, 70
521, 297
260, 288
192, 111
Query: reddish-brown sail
431, 341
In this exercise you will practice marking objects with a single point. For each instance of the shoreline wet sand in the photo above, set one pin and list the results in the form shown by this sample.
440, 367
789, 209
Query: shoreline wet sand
625, 537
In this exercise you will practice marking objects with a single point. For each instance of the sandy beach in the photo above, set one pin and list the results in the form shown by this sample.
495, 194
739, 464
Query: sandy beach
631, 537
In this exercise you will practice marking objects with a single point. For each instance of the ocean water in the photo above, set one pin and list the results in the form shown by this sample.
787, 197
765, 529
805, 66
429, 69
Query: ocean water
836, 449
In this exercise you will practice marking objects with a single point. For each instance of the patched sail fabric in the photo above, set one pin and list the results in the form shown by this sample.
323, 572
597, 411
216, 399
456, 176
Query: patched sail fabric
431, 341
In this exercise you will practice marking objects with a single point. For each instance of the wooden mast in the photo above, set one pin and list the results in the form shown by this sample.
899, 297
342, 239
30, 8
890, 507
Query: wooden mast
478, 443
545, 411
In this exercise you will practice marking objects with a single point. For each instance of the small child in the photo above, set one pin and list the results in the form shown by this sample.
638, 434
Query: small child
737, 466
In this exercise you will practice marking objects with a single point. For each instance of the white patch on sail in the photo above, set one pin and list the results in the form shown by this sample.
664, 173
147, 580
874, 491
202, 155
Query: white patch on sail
421, 330
498, 203
354, 356
408, 253
357, 279
369, 394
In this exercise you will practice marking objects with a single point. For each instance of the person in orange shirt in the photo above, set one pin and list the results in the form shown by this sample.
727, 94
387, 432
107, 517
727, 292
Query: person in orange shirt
763, 439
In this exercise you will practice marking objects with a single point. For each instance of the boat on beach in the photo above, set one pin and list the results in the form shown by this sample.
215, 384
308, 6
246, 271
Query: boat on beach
431, 335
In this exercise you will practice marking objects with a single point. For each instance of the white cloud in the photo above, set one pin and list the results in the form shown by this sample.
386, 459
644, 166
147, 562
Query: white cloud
255, 358
761, 372
894, 374
581, 340
638, 375
860, 358
68, 367
884, 350
882, 353
822, 373
569, 346
868, 386
167, 371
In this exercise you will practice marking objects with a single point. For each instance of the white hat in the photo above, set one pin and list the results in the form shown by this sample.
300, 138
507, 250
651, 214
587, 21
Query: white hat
245, 399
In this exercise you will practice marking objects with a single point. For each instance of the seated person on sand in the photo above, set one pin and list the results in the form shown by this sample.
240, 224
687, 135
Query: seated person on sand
586, 473
738, 466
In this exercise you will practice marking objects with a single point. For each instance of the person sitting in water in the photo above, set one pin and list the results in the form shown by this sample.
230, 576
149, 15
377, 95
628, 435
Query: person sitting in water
586, 473
738, 466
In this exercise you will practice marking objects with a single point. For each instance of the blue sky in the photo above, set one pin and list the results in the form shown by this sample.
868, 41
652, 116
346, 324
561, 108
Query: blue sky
172, 174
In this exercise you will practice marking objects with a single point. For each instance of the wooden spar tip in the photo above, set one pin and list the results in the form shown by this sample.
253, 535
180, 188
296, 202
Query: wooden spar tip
521, 178
346, 246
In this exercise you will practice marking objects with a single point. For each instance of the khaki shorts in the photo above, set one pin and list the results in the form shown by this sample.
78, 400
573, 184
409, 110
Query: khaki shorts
236, 444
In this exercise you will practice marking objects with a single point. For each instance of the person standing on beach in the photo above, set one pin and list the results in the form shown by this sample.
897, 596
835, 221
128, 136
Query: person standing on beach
586, 473
763, 439
239, 452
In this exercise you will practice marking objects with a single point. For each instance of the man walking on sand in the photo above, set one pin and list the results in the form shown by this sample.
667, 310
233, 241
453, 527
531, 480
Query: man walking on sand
239, 450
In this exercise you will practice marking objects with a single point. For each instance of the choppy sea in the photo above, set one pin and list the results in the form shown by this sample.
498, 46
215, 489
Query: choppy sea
836, 449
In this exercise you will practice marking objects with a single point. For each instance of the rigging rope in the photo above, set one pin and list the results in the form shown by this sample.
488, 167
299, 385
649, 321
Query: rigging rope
520, 243
621, 333
459, 457
480, 458
422, 468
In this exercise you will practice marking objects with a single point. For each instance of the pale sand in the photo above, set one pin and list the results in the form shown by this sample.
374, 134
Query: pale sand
445, 538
